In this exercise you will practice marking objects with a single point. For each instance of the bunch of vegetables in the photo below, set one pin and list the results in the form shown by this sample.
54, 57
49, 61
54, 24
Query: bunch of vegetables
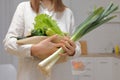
45, 26
98, 17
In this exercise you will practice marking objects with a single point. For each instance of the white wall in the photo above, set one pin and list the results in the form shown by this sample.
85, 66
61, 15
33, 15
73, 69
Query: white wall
4, 21
7, 8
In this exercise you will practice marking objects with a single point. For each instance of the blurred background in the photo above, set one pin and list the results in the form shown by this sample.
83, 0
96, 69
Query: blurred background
101, 40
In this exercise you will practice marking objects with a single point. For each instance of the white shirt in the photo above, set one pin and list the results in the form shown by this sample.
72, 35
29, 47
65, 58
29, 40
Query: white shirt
21, 25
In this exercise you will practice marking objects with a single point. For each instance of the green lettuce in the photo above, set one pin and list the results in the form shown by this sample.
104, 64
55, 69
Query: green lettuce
45, 26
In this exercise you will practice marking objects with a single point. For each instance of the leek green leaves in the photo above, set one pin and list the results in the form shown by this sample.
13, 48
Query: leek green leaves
98, 17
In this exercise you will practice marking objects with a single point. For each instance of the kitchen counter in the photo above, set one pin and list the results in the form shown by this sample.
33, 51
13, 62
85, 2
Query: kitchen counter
101, 55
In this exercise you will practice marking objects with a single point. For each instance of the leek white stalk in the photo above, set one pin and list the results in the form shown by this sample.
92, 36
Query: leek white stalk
46, 69
97, 18
45, 65
51, 58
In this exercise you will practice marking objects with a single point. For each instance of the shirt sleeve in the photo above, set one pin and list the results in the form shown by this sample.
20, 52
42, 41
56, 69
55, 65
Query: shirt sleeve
17, 29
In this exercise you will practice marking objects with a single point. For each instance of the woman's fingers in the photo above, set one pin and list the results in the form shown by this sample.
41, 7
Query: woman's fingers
69, 46
52, 38
58, 45
69, 52
63, 54
70, 41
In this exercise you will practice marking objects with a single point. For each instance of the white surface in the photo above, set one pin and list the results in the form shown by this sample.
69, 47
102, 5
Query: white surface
7, 72
103, 68
99, 68
116, 69
87, 73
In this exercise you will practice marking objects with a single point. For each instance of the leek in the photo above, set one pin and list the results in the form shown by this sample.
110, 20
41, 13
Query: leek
98, 17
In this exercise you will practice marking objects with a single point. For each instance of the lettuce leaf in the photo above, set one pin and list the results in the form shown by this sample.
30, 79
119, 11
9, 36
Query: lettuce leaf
43, 23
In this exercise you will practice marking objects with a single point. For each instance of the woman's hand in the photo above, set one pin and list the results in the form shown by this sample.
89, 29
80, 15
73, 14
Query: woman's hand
45, 48
69, 46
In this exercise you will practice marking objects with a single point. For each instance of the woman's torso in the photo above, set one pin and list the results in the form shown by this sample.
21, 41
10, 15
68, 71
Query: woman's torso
27, 67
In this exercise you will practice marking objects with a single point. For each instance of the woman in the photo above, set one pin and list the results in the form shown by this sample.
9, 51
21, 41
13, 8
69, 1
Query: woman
22, 24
